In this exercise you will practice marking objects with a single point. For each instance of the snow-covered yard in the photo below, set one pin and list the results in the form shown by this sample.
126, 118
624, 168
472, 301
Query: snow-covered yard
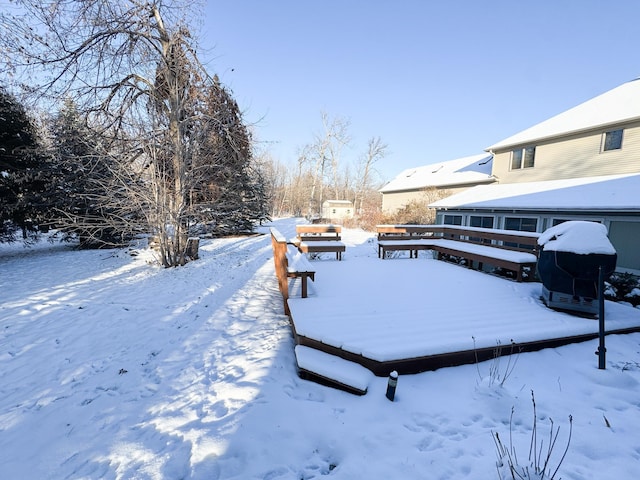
111, 367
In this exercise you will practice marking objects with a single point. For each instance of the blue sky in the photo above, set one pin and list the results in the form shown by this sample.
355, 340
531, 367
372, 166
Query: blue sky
436, 80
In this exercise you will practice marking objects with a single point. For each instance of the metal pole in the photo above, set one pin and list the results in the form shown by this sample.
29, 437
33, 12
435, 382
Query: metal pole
602, 351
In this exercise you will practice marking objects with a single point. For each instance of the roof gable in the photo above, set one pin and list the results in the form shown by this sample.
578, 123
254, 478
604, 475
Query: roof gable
462, 171
617, 106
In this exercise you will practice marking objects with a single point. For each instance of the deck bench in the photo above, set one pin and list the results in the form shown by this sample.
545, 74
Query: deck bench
320, 239
289, 263
411, 238
299, 267
413, 246
510, 250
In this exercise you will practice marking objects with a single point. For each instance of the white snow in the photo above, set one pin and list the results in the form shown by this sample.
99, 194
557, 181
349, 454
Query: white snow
462, 171
111, 367
620, 104
578, 237
333, 368
592, 194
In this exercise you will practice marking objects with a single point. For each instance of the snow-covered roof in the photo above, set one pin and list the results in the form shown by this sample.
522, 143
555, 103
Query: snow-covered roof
620, 105
338, 202
462, 171
605, 193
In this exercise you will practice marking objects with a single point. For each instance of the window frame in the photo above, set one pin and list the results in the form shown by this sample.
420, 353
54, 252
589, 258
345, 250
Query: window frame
604, 143
526, 158
452, 216
483, 218
520, 218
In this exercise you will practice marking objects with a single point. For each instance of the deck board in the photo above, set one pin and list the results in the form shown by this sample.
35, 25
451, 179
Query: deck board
417, 326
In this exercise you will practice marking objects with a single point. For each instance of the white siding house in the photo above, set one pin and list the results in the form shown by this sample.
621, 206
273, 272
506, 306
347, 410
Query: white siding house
337, 209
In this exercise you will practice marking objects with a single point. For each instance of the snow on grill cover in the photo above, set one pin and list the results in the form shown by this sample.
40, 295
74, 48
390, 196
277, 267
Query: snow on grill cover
571, 254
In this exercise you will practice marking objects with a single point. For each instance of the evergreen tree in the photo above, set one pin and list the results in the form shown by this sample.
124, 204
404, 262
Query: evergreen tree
83, 182
231, 196
24, 179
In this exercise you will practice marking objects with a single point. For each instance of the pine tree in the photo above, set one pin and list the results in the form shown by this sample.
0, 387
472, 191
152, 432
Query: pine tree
83, 181
24, 179
231, 197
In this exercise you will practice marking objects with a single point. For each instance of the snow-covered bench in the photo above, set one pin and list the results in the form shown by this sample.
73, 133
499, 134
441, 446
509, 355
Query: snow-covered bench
411, 238
319, 239
289, 263
511, 250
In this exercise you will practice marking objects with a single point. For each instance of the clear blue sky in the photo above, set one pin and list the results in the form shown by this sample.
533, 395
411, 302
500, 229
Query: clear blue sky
436, 80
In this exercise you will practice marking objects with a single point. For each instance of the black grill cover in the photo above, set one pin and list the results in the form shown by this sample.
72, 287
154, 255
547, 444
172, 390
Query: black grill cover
572, 273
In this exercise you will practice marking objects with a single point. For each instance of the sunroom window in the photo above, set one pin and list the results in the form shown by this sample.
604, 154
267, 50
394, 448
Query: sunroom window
452, 220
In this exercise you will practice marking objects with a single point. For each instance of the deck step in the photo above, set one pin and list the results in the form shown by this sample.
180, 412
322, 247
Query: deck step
332, 370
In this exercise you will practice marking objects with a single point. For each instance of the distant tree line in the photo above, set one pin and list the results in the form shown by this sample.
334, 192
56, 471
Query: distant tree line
321, 173
136, 136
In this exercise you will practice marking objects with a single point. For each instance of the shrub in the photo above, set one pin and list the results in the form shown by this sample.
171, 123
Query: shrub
498, 374
623, 287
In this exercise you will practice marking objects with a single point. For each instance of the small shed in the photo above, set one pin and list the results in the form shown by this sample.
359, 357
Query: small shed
337, 209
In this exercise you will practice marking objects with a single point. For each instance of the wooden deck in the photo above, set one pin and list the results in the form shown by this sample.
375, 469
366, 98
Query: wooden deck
448, 359
411, 326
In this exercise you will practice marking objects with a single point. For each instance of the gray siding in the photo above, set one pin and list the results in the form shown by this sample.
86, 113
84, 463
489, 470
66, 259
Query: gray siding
624, 237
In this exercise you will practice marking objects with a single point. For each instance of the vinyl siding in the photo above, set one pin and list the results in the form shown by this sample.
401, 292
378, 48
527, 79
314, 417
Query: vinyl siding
574, 156
392, 202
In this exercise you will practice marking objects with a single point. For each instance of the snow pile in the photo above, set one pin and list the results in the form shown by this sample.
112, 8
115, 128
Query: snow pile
580, 237
113, 368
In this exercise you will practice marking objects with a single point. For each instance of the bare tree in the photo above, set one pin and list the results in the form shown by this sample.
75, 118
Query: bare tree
336, 137
132, 67
375, 151
323, 158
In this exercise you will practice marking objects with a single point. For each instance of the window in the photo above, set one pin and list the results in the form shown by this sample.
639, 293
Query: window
482, 222
612, 140
523, 158
558, 221
521, 224
452, 220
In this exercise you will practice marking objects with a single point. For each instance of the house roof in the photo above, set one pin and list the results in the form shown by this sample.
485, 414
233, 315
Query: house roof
343, 203
462, 171
617, 106
606, 193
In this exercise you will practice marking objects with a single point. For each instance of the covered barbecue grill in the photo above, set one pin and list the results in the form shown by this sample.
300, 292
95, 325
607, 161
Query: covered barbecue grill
571, 255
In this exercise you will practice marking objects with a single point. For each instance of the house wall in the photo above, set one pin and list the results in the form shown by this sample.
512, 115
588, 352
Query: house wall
574, 156
394, 201
337, 211
624, 237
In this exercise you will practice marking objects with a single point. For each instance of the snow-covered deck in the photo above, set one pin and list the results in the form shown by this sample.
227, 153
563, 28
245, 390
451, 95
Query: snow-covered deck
425, 314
